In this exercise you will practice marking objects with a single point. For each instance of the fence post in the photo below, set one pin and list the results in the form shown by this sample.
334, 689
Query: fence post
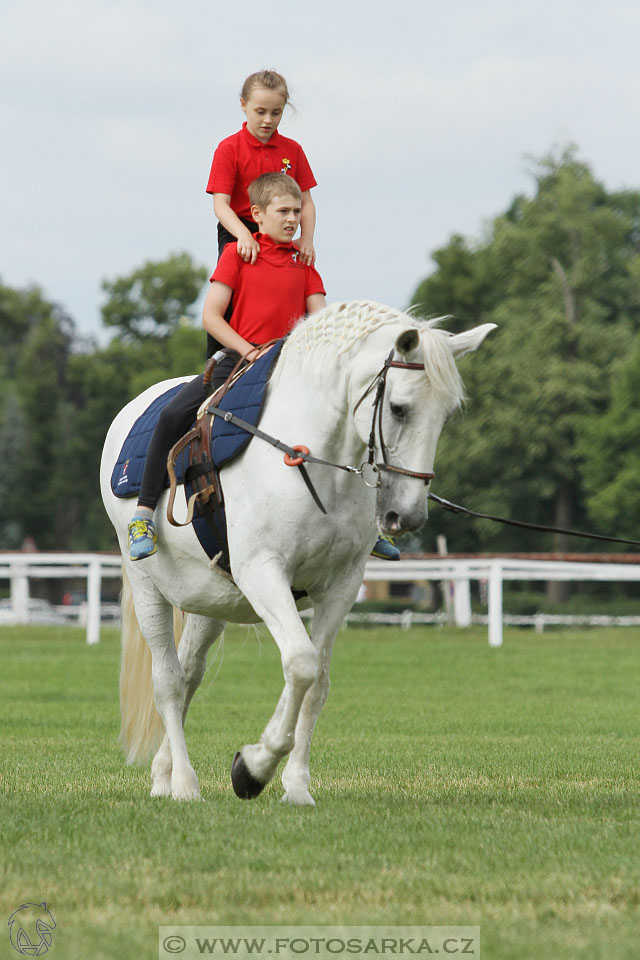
447, 585
94, 598
20, 593
462, 603
495, 604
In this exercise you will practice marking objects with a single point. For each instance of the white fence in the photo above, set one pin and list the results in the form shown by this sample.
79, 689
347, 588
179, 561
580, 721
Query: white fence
459, 572
18, 568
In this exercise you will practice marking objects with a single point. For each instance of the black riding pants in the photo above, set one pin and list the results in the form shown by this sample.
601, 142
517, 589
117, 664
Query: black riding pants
174, 421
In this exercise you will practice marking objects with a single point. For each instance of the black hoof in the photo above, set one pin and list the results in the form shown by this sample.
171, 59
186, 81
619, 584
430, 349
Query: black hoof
244, 784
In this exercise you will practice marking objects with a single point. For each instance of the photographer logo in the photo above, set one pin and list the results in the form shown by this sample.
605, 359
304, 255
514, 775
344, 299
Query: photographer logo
30, 929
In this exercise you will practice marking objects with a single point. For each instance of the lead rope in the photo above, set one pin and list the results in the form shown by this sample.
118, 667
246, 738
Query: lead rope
456, 508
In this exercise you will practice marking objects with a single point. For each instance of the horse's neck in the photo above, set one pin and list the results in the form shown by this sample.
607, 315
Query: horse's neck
314, 399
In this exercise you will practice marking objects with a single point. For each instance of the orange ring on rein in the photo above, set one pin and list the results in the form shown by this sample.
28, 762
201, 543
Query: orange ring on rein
296, 461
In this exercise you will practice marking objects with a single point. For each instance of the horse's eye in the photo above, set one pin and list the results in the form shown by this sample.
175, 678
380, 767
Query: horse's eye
398, 410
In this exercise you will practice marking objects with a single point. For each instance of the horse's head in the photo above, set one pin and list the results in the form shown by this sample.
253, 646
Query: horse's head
415, 399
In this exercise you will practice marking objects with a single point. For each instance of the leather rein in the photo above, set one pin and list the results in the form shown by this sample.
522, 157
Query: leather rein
369, 470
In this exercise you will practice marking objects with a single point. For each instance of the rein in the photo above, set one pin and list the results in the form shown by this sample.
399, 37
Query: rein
369, 470
455, 508
294, 456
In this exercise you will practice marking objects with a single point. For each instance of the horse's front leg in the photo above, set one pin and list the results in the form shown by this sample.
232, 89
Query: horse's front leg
255, 765
296, 776
330, 610
198, 636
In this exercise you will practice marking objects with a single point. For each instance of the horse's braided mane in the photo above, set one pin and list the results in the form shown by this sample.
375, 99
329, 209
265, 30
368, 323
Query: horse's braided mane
341, 325
336, 329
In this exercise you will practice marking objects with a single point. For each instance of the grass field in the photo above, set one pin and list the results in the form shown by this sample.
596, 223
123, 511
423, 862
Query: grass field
455, 784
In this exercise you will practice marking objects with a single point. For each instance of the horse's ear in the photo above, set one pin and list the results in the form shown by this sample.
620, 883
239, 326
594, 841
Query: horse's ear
407, 341
462, 343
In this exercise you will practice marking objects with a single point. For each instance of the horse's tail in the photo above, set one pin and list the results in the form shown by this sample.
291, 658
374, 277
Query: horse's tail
141, 727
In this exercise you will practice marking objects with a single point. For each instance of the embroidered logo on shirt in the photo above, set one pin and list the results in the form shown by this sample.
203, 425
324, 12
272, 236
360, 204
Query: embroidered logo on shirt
294, 256
286, 165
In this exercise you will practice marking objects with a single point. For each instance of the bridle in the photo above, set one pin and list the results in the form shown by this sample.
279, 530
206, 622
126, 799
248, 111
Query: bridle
369, 470
380, 380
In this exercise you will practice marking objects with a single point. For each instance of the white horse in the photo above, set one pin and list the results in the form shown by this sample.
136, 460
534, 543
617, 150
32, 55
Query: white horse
278, 538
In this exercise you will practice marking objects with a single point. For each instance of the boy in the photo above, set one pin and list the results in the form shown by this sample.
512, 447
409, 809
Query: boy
268, 297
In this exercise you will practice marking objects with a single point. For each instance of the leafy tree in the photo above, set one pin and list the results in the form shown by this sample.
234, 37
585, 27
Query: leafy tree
58, 398
559, 274
13, 439
152, 299
100, 383
31, 419
609, 446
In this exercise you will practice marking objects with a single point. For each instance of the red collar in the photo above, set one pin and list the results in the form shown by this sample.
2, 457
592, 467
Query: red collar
273, 140
264, 238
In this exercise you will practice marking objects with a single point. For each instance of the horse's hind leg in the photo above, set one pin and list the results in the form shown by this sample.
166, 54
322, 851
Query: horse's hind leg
199, 634
155, 616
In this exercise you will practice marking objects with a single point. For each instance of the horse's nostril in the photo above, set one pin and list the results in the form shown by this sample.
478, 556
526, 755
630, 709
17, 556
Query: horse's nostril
392, 522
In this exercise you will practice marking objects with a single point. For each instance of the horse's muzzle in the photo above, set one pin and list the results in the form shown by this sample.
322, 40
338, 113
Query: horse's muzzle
394, 524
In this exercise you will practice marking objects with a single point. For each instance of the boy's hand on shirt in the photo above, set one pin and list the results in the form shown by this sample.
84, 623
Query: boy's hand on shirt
249, 249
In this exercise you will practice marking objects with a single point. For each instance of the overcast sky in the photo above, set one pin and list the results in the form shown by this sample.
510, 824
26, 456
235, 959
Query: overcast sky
416, 116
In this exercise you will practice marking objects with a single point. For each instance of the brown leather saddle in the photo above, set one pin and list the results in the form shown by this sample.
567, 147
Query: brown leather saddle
201, 474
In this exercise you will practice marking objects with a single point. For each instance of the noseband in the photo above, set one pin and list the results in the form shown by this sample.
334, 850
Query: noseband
372, 475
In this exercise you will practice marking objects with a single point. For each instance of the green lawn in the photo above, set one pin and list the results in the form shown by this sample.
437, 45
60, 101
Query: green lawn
455, 784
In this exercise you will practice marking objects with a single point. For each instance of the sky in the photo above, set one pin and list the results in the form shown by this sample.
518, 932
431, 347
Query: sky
419, 119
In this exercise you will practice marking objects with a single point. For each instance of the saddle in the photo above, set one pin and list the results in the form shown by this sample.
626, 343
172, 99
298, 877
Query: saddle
209, 444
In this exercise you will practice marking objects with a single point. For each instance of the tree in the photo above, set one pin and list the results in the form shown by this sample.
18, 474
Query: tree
34, 371
100, 383
13, 439
609, 446
558, 273
58, 398
152, 299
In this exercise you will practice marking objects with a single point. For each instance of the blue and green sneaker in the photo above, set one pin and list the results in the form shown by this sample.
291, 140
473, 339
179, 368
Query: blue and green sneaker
385, 549
143, 542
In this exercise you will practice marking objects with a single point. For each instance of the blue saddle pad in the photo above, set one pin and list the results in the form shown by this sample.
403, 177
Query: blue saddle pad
245, 400
126, 476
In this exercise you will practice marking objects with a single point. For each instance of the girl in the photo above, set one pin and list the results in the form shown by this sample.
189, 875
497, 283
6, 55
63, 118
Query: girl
255, 149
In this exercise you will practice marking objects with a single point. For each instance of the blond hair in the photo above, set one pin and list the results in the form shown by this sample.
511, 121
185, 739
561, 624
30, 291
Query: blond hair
268, 80
263, 190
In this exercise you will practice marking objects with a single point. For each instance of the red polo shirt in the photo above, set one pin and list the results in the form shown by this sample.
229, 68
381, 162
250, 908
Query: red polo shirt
270, 294
241, 158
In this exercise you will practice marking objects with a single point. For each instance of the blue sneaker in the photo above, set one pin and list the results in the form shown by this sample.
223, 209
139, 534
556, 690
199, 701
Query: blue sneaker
142, 539
385, 549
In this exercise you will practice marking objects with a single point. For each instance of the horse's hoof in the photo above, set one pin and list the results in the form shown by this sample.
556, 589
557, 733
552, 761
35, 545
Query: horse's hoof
161, 788
185, 786
298, 798
244, 783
